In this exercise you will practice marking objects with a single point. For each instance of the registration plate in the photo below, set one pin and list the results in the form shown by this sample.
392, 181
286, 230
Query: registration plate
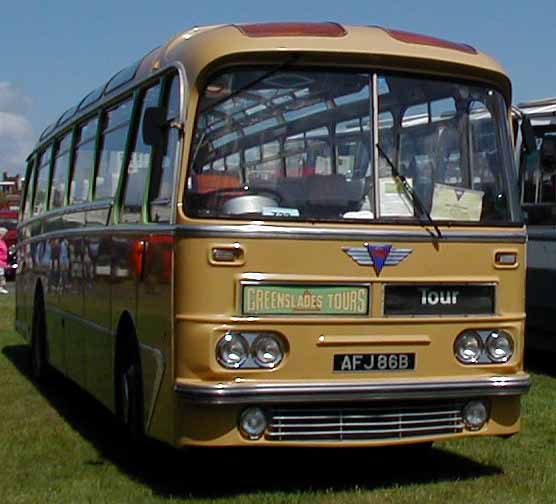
374, 362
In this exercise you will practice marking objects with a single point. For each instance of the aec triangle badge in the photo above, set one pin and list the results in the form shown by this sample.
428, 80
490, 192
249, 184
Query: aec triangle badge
379, 254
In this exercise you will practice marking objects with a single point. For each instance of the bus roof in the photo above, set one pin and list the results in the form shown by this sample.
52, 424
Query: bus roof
201, 49
545, 106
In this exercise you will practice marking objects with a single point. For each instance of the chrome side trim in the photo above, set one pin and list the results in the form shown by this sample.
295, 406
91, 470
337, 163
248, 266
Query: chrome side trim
346, 233
336, 391
118, 229
238, 231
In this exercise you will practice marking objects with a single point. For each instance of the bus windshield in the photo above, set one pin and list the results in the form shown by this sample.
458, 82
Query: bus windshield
299, 145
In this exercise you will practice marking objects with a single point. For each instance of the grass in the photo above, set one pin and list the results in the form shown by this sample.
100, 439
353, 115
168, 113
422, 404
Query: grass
58, 445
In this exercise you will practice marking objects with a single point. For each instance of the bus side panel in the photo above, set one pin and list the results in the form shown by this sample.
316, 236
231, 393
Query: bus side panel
55, 318
154, 329
99, 340
124, 282
71, 302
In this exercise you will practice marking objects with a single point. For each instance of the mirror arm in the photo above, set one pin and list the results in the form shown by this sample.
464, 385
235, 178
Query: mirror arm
180, 126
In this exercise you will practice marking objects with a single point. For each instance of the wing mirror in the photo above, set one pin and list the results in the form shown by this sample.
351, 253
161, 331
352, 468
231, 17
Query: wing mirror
154, 121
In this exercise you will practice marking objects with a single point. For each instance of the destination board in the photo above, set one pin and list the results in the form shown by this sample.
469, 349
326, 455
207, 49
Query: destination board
305, 300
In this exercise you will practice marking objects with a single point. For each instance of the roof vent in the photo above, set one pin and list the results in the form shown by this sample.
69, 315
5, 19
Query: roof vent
292, 30
416, 38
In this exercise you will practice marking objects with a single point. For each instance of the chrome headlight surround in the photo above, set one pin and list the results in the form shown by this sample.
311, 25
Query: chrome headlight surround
499, 346
468, 347
232, 350
267, 350
253, 350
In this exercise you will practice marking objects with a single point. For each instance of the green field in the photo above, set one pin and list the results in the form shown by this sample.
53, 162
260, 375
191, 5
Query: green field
58, 446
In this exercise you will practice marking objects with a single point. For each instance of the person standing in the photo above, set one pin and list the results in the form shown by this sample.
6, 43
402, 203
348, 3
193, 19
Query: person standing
3, 260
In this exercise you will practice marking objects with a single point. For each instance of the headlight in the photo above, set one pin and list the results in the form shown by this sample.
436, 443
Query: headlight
232, 350
267, 351
499, 346
468, 347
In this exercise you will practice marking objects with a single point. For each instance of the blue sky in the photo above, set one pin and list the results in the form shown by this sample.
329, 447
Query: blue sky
54, 52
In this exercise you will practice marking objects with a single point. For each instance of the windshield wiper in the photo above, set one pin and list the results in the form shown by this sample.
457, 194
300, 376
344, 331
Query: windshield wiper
410, 192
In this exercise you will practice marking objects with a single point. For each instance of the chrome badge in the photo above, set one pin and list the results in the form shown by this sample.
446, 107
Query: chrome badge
377, 256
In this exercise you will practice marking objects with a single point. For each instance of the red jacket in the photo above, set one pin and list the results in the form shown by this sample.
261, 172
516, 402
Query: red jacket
3, 254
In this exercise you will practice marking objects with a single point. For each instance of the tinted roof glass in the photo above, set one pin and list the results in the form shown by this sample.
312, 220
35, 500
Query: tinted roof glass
66, 115
122, 77
92, 97
47, 130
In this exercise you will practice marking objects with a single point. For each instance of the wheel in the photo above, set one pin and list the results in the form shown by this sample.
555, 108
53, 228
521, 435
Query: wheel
129, 405
39, 361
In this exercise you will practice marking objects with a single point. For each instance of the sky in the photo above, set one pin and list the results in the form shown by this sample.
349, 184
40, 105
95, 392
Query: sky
54, 52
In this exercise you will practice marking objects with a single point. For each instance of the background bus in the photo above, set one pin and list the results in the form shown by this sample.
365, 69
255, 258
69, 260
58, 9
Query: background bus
283, 234
537, 175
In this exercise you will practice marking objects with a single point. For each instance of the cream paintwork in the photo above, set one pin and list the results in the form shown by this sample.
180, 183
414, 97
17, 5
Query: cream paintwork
205, 313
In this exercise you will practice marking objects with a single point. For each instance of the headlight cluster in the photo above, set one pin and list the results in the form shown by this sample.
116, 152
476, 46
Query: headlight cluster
484, 346
250, 350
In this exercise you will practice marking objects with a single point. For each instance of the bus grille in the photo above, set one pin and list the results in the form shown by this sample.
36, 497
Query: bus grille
364, 422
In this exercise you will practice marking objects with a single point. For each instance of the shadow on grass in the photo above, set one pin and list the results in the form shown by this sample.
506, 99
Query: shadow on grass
172, 473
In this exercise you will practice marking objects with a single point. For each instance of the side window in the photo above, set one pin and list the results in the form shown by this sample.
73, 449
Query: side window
29, 185
41, 189
352, 146
83, 161
139, 163
162, 178
268, 167
112, 149
59, 172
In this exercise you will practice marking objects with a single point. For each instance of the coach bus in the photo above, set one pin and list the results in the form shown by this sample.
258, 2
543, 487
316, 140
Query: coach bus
283, 234
536, 162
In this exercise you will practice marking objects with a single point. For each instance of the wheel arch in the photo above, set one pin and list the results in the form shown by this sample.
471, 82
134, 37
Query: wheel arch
126, 345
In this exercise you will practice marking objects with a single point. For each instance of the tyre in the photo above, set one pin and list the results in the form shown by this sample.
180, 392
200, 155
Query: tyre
39, 361
129, 389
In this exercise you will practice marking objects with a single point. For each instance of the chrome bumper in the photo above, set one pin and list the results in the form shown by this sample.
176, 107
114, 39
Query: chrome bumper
243, 392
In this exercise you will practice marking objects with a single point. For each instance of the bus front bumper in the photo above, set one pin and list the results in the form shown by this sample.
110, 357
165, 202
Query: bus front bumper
249, 392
